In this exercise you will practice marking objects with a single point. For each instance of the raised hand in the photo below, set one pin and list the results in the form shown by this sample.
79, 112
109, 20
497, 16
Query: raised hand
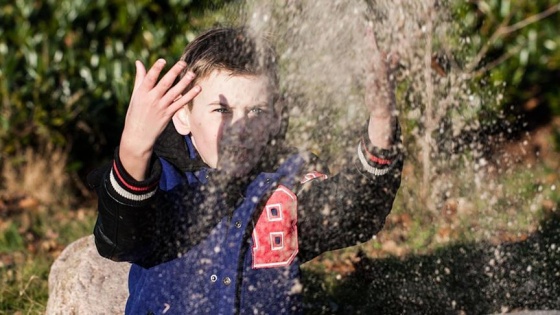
379, 94
151, 107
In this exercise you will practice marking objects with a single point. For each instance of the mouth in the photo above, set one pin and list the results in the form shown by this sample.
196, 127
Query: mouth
238, 160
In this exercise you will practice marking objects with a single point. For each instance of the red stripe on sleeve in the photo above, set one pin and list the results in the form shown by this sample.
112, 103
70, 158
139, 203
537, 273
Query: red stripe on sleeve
133, 188
374, 158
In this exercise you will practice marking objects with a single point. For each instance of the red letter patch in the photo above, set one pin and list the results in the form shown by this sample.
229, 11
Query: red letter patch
275, 242
313, 175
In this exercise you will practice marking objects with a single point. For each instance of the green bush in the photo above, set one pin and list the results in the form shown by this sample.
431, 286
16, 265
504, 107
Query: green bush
517, 42
68, 67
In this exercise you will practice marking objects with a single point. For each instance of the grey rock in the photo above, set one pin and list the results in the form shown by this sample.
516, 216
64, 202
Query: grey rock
83, 282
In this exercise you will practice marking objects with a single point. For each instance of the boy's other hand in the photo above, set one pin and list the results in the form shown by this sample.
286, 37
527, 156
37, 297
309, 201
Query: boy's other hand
379, 92
152, 105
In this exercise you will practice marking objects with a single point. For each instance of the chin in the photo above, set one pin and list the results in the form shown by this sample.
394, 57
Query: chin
238, 172
237, 167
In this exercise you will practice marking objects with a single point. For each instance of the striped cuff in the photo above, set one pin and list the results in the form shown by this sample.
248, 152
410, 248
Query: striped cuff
373, 164
375, 160
124, 187
129, 191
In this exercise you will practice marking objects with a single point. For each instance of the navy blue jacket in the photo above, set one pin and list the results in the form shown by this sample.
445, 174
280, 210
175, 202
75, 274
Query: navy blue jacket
202, 246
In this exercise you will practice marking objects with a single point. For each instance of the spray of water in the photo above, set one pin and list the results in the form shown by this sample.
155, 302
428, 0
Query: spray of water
322, 53
449, 175
322, 56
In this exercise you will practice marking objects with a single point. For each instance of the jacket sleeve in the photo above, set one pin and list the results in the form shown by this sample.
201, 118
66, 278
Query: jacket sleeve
350, 207
125, 227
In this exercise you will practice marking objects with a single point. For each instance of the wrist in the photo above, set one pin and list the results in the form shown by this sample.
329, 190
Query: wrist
135, 160
125, 188
381, 130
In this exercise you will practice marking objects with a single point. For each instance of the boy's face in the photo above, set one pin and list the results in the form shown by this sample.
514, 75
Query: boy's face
231, 121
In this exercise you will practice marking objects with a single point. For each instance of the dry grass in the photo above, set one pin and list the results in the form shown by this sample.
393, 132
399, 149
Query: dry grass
37, 221
39, 175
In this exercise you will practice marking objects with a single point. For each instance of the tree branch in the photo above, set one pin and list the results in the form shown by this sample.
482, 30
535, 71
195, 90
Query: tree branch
532, 19
503, 30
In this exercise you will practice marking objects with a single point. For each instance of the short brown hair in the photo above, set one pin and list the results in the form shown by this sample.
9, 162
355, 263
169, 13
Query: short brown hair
231, 49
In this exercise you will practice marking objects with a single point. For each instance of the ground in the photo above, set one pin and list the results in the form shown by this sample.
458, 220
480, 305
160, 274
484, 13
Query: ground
458, 259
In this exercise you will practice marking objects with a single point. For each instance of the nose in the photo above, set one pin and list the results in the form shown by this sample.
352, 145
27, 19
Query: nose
238, 128
238, 117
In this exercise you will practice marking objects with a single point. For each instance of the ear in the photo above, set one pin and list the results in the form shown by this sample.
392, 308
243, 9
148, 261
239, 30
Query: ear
181, 121
275, 124
279, 125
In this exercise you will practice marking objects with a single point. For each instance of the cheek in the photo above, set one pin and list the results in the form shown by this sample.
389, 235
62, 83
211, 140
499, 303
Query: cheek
266, 130
209, 129
207, 136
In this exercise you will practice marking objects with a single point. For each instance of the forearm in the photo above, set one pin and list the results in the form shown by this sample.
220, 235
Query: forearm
379, 96
126, 215
381, 130
136, 162
350, 207
122, 232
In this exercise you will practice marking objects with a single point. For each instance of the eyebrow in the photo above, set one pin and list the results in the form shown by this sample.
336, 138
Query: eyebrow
223, 104
219, 104
262, 105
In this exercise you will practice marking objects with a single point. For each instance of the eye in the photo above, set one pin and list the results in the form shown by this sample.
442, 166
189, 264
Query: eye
222, 110
257, 110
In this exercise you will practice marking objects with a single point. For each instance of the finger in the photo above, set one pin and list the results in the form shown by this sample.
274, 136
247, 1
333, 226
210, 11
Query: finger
140, 74
153, 74
375, 57
177, 89
169, 78
370, 37
394, 60
184, 99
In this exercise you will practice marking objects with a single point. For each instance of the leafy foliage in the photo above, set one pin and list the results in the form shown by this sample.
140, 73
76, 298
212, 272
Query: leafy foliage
66, 75
68, 66
515, 45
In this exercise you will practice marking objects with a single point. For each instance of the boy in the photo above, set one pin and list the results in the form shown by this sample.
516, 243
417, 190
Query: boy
202, 197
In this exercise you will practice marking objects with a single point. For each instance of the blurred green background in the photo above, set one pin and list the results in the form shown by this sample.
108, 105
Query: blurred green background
66, 73
68, 66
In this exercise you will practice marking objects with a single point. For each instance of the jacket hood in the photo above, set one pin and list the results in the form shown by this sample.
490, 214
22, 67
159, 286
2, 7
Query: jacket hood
171, 146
